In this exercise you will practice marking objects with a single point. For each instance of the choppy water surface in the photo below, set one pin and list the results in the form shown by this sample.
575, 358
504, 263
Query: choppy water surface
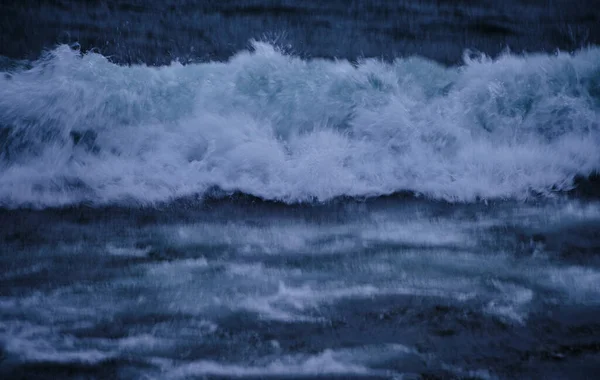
200, 191
376, 289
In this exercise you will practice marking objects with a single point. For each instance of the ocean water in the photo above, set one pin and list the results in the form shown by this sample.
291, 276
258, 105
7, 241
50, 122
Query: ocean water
277, 189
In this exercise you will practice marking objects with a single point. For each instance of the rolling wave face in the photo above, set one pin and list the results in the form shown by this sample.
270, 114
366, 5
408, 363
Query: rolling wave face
77, 128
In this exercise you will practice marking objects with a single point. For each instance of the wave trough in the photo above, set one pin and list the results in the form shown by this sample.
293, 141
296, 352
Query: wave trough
77, 128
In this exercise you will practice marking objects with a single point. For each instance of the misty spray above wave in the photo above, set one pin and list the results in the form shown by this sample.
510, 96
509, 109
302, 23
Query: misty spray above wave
77, 128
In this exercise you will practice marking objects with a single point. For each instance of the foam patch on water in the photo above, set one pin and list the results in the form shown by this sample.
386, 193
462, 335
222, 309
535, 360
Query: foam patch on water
302, 238
580, 283
512, 302
127, 251
27, 342
350, 362
300, 296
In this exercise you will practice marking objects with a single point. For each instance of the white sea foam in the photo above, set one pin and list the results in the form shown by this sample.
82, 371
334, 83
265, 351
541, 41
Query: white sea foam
329, 362
29, 342
79, 128
512, 303
127, 251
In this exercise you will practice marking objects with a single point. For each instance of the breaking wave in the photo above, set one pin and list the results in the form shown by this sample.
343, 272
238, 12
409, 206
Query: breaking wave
77, 128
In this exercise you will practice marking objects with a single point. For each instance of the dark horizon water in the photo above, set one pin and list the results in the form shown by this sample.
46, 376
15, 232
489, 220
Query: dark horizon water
299, 189
158, 32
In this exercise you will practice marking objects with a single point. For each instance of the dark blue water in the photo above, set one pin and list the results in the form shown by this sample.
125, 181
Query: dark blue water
157, 32
278, 189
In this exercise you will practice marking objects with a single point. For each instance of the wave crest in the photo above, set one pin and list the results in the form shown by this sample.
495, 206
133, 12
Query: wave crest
77, 128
